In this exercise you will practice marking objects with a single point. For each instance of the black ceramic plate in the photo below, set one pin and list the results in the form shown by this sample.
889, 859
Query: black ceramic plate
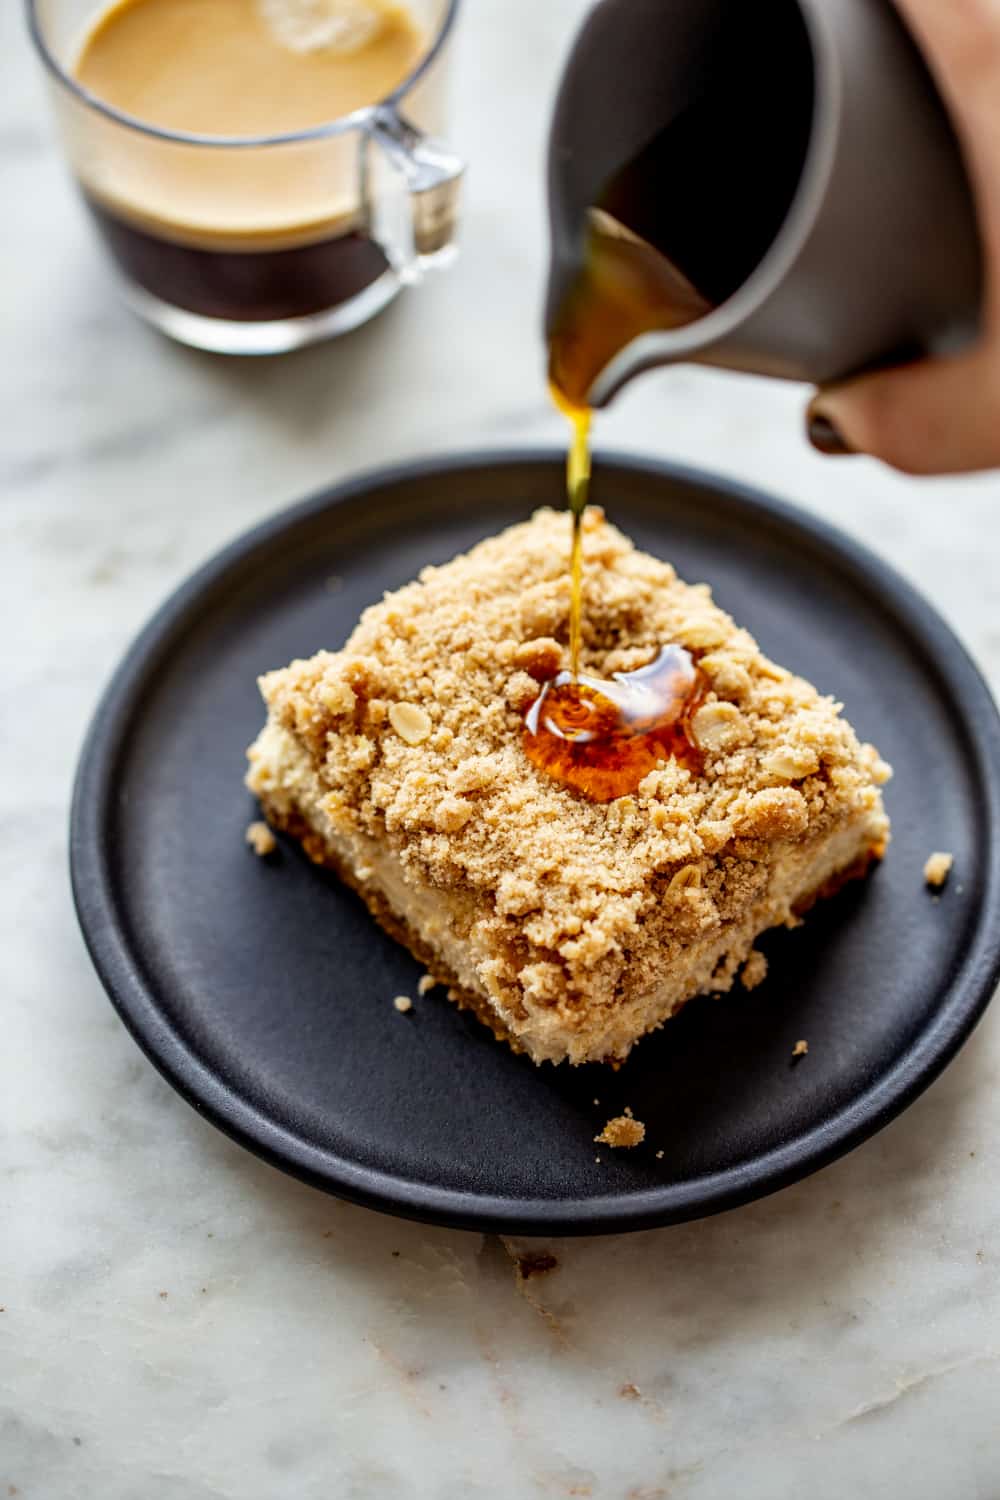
263, 990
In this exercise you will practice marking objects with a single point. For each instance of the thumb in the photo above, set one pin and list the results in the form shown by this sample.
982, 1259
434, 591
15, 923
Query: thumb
938, 416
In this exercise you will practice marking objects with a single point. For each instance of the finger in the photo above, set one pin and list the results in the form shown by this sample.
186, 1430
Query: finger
936, 417
961, 42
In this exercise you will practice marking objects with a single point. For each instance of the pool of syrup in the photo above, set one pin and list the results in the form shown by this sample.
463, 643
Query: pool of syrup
603, 737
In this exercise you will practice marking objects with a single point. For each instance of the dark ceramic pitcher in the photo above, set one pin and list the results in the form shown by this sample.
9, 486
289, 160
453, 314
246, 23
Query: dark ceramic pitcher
793, 159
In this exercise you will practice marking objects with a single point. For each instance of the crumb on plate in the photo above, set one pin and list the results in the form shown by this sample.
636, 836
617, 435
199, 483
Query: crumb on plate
403, 1003
261, 840
622, 1132
937, 869
800, 1049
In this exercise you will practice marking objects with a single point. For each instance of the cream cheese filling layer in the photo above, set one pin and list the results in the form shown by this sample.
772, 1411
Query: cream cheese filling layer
450, 924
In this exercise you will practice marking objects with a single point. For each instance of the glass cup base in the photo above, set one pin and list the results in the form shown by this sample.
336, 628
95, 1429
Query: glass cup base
224, 336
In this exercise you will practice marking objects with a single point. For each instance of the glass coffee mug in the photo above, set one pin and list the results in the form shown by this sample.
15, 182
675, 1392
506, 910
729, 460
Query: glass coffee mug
261, 244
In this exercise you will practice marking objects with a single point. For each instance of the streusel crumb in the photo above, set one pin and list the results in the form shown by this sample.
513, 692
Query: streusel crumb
800, 1049
622, 1133
937, 869
261, 840
425, 984
403, 1003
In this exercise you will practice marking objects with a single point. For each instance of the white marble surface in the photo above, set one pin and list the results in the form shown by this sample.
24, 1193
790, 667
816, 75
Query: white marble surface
179, 1322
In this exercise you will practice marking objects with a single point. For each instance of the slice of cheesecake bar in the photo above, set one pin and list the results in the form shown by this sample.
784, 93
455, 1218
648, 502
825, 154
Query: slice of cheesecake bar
571, 927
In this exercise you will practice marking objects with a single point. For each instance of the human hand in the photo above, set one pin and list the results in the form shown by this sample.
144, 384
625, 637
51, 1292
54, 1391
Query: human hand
940, 416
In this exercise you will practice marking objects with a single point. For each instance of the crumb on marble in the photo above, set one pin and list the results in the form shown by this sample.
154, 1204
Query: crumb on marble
630, 1392
535, 1263
800, 1049
623, 1132
403, 1003
754, 971
425, 984
261, 840
937, 869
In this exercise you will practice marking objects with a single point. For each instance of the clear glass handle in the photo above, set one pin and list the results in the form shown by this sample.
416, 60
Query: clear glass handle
413, 193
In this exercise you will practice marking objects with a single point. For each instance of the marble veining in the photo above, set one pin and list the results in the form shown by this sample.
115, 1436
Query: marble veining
180, 1322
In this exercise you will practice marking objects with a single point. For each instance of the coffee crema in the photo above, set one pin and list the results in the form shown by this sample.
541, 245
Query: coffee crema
248, 233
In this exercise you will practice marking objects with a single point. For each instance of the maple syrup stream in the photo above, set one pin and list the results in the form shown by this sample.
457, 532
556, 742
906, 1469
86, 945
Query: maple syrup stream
602, 738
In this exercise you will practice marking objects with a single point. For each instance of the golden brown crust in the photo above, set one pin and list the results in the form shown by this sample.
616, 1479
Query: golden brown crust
832, 887
390, 922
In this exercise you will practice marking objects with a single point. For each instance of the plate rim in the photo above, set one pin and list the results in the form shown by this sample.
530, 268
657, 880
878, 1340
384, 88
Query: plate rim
106, 937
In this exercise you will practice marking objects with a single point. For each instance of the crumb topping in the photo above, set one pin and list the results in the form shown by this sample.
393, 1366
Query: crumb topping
937, 869
623, 1132
416, 728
